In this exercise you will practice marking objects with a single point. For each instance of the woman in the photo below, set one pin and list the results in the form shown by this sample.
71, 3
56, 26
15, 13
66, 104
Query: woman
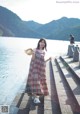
71, 39
36, 82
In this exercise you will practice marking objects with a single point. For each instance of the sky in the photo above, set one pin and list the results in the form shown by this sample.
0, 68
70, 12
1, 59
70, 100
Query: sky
43, 11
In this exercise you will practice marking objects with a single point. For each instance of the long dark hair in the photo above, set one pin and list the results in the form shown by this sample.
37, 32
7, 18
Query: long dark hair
45, 47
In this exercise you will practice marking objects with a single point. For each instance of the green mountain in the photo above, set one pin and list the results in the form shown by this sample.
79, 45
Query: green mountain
33, 25
12, 22
64, 34
12, 25
5, 32
61, 28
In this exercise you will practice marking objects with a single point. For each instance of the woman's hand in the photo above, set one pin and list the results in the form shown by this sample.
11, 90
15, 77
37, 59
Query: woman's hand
48, 59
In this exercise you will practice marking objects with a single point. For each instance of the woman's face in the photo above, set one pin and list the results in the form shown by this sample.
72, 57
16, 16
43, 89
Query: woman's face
42, 44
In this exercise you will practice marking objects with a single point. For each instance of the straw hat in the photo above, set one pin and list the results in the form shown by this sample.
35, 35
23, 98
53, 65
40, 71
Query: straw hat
29, 51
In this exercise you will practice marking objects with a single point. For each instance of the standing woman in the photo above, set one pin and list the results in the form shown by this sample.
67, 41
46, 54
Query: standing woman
36, 82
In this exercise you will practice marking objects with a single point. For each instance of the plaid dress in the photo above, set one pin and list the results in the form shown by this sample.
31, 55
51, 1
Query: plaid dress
36, 82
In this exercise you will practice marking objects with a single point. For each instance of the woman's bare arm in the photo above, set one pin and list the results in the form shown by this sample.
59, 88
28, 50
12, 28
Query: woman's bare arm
33, 56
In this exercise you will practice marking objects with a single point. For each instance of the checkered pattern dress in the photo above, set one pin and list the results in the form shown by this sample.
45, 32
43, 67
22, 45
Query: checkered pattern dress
36, 82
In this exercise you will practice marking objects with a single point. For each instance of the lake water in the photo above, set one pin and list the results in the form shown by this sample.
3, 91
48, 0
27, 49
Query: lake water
14, 63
